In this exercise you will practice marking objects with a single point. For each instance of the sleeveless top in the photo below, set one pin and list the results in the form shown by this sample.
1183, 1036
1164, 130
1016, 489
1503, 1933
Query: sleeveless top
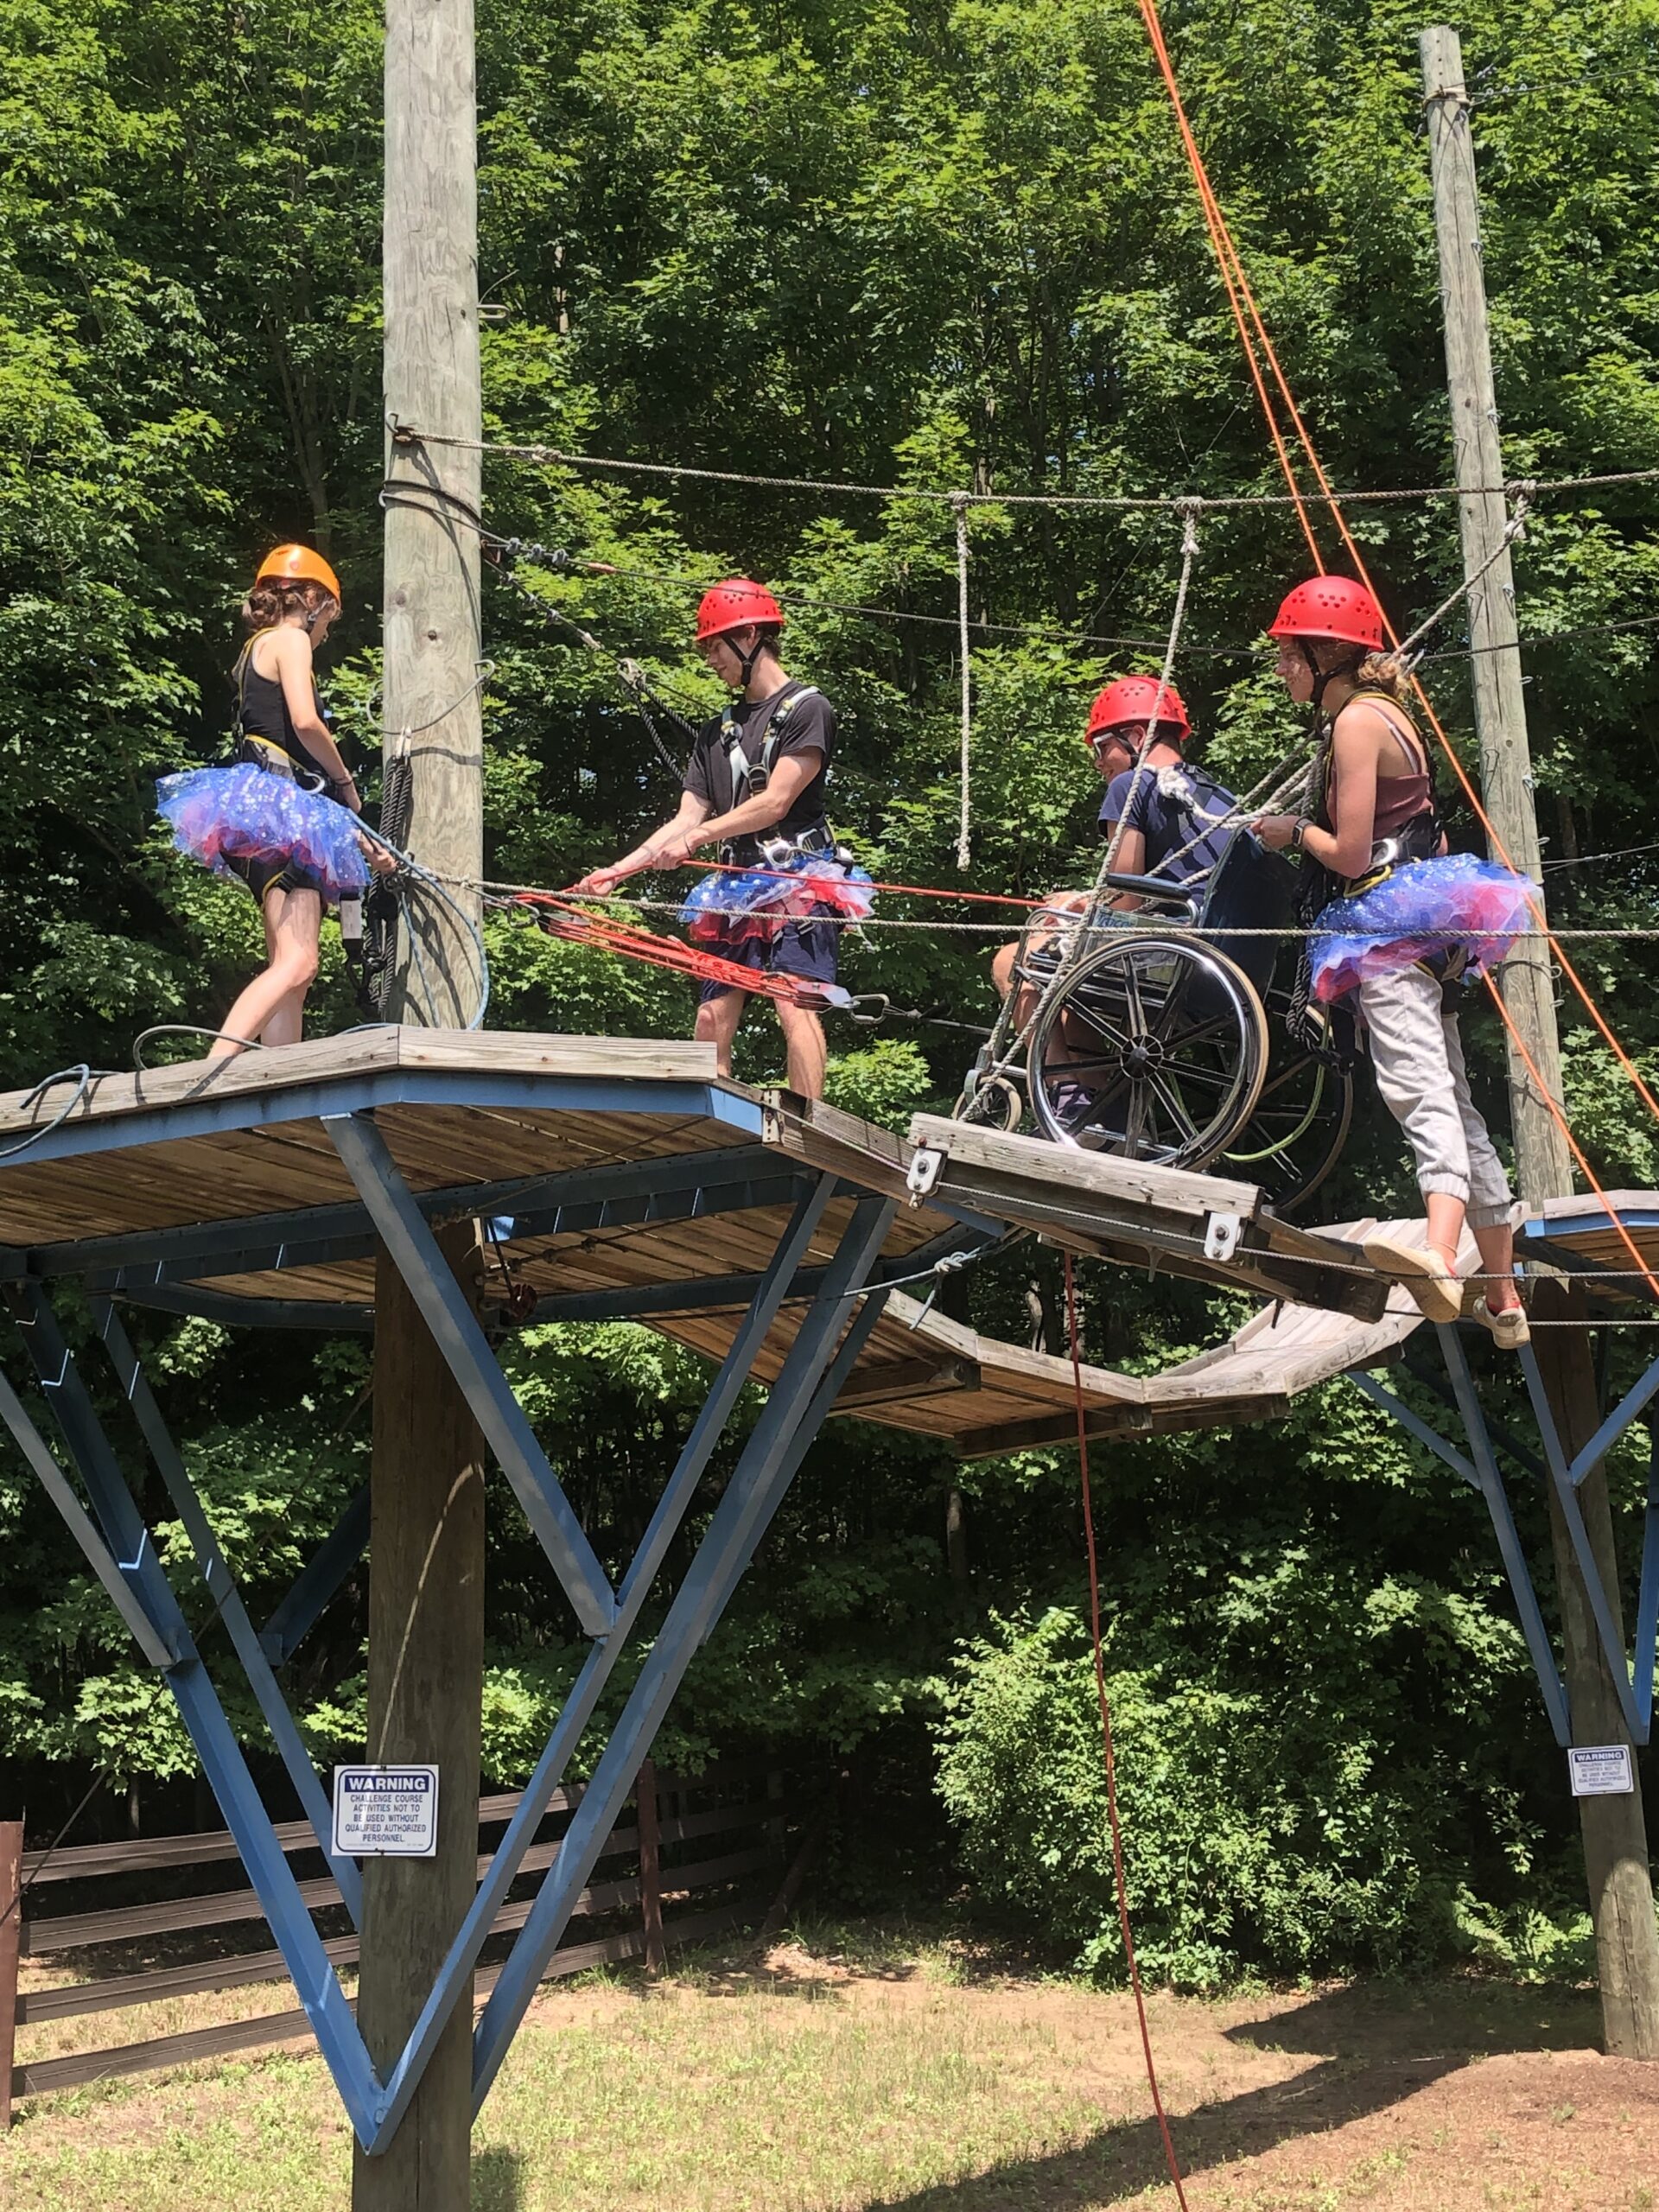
263, 725
1399, 799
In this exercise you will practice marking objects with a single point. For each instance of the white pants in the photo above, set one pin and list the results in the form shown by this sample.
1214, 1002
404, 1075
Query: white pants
1418, 1055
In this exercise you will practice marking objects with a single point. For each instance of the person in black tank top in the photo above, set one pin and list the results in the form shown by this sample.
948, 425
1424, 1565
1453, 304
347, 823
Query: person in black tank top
755, 788
1373, 833
279, 726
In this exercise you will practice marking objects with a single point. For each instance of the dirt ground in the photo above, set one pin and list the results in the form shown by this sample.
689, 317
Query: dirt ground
1408, 2098
858, 2070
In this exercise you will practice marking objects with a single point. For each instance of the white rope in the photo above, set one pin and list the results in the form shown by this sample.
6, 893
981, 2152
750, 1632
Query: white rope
1166, 683
960, 504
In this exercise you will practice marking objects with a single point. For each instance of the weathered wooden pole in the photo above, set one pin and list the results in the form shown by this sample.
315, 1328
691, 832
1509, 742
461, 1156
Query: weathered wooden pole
426, 1542
1613, 1829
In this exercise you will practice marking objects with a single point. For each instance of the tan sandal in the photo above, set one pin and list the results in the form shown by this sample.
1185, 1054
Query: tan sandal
1437, 1291
1508, 1325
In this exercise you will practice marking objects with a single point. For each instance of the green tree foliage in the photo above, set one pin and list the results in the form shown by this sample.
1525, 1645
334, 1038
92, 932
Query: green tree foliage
948, 245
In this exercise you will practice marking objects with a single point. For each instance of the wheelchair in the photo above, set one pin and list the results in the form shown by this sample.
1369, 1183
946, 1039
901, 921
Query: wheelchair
1170, 1038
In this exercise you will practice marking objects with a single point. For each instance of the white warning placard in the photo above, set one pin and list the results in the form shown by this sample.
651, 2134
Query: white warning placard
1600, 1769
386, 1812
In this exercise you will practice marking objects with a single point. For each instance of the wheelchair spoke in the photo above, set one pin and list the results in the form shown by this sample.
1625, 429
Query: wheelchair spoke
1173, 1100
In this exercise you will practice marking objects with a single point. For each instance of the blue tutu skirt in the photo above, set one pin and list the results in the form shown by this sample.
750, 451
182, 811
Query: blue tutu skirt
1424, 908
734, 905
248, 813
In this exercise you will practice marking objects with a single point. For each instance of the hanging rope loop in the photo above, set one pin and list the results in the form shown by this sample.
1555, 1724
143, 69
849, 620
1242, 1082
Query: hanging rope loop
959, 507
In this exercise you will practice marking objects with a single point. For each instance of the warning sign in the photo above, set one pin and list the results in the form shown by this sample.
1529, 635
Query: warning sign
1600, 1769
386, 1812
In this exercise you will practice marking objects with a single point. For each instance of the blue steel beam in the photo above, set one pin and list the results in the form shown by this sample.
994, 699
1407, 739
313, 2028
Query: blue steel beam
216, 1745
317, 1581
466, 1352
1550, 1683
221, 1587
1608, 1631
577, 1710
119, 1576
1586, 1461
1483, 1474
700, 1294
750, 1499
621, 1181
1647, 1604
233, 1311
573, 1201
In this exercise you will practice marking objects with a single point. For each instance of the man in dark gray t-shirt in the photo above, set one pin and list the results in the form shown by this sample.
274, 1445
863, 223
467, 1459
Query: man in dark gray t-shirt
756, 777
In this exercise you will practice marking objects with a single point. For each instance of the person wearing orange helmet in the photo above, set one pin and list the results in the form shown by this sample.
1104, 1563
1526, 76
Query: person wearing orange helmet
755, 787
1395, 921
282, 817
1172, 813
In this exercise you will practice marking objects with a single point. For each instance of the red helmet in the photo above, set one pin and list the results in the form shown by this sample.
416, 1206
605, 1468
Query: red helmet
1132, 699
733, 606
1332, 607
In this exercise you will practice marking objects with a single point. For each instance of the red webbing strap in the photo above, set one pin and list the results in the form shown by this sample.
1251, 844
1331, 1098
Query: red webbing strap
560, 920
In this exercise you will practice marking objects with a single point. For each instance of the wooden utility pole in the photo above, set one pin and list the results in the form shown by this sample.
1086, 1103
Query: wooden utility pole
426, 1541
1614, 1829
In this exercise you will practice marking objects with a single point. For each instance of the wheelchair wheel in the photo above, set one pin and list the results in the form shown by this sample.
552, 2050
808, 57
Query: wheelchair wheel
1154, 1047
1300, 1124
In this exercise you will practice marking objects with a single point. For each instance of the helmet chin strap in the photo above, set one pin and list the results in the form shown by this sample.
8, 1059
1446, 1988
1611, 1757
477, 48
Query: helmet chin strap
1322, 676
746, 660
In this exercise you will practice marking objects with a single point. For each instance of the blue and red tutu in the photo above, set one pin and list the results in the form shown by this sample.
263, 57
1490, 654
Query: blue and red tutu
1415, 912
735, 905
248, 813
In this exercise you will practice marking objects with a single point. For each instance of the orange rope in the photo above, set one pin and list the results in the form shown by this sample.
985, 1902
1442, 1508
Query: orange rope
1226, 249
1171, 2160
1232, 276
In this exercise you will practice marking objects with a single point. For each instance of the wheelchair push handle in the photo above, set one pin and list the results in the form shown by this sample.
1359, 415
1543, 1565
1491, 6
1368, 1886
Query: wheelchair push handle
1157, 888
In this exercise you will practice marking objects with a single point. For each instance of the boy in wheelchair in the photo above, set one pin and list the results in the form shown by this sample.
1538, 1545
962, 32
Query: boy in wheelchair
1174, 821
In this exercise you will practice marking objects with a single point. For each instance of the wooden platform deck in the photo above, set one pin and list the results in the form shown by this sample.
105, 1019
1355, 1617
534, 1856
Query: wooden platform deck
627, 1177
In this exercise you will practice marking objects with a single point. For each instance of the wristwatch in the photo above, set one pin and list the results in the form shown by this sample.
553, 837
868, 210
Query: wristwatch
1299, 830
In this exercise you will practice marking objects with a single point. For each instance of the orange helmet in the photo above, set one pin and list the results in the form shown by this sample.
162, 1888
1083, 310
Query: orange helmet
299, 564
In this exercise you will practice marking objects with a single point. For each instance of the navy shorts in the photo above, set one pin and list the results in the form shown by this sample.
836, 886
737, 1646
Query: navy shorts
806, 948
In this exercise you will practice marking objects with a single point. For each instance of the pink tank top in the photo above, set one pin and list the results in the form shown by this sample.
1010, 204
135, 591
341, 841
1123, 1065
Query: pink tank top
1399, 799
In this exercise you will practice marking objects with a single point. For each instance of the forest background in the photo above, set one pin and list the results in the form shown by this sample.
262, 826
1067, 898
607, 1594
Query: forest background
927, 246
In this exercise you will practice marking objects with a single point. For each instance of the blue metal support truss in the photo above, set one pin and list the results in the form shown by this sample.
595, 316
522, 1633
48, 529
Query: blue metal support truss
317, 1582
1632, 1678
842, 1304
1633, 1687
466, 1350
130, 1565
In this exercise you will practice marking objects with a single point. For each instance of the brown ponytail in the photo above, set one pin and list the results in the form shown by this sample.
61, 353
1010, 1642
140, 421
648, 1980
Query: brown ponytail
273, 599
1385, 672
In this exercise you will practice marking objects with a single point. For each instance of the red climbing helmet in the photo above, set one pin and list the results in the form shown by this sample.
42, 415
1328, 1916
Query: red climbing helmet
1332, 607
1132, 699
733, 606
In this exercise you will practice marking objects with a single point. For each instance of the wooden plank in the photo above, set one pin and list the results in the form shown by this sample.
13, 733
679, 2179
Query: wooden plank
903, 1382
196, 2044
367, 1051
75, 1931
1133, 1182
195, 1978
1119, 1425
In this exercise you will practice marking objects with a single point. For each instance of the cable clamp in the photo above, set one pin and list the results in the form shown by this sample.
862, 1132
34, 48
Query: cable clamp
924, 1171
1221, 1234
